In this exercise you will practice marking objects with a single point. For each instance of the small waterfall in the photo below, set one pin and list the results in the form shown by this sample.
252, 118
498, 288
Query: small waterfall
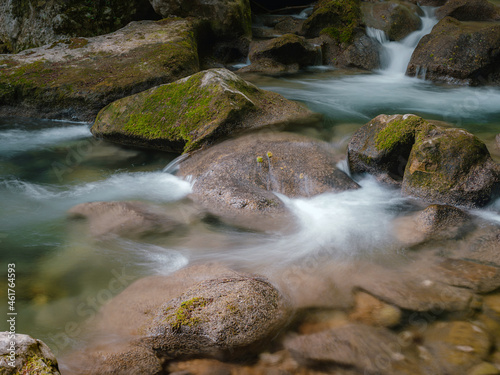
396, 55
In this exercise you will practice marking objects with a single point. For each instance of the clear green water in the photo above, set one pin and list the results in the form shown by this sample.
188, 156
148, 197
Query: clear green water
64, 274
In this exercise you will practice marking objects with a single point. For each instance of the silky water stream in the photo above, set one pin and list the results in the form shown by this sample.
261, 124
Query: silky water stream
64, 274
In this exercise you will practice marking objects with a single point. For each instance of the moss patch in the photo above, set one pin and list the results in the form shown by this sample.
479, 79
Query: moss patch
37, 365
183, 316
397, 132
336, 18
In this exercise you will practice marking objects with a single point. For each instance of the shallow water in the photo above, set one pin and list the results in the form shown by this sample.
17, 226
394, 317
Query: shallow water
63, 273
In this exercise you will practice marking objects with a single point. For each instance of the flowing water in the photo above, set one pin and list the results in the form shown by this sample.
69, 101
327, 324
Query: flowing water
47, 167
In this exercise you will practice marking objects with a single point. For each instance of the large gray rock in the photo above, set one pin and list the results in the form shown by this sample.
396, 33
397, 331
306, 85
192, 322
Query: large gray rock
228, 22
222, 318
459, 52
240, 177
195, 112
396, 18
27, 24
31, 356
78, 77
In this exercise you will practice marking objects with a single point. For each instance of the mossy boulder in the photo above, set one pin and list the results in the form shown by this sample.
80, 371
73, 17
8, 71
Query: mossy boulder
467, 10
77, 77
337, 18
238, 179
31, 356
195, 112
29, 23
382, 147
226, 23
450, 166
222, 318
396, 18
431, 162
287, 49
459, 52
362, 53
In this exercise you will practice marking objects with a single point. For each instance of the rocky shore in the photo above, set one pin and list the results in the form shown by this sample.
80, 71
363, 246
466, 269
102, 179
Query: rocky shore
166, 81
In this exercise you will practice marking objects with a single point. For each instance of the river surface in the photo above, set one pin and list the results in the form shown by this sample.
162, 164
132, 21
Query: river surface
47, 167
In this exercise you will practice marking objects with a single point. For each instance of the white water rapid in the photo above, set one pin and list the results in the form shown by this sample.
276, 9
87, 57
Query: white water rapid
397, 54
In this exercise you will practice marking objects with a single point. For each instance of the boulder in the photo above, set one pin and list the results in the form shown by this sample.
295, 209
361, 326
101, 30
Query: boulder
288, 49
450, 166
430, 162
225, 22
77, 77
336, 18
459, 52
31, 356
396, 18
27, 24
221, 318
195, 112
239, 178
127, 219
435, 223
467, 10
456, 346
382, 147
362, 53
269, 67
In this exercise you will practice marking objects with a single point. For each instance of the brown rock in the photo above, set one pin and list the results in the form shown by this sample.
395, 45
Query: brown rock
239, 177
435, 223
459, 52
368, 349
467, 10
372, 311
450, 166
396, 18
288, 49
221, 318
128, 219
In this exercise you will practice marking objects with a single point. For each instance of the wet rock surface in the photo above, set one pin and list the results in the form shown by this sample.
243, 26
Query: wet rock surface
196, 112
31, 356
459, 52
241, 176
396, 18
75, 78
27, 24
476, 10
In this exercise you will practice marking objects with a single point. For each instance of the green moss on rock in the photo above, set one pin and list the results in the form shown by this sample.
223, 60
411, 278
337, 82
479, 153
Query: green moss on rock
193, 112
400, 130
71, 77
336, 18
184, 314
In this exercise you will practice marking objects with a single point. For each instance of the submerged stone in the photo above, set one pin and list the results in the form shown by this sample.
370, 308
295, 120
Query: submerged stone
195, 112
77, 77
